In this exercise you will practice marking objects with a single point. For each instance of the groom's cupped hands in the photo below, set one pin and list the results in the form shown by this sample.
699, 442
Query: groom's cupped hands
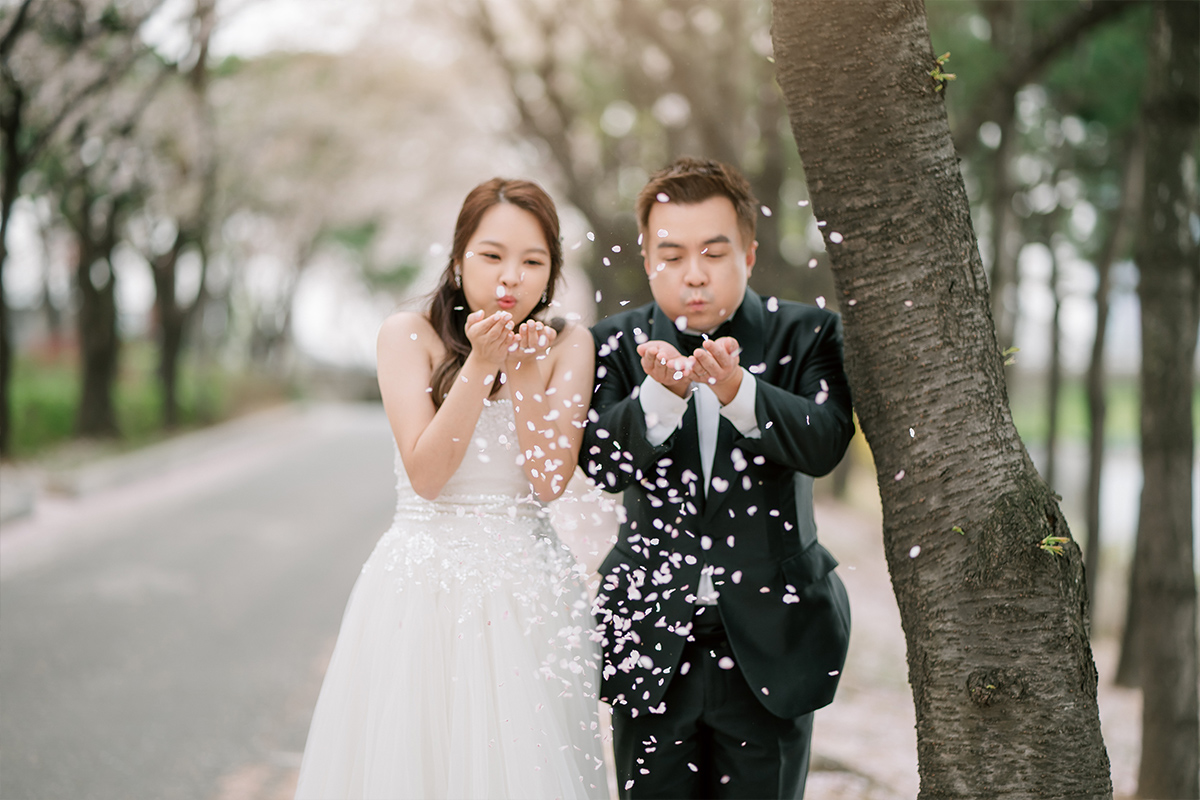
716, 363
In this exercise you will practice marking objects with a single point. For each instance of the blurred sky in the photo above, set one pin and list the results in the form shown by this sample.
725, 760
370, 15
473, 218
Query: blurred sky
250, 28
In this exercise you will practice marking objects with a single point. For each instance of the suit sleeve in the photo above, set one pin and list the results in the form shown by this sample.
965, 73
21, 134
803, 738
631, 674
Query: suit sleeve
807, 424
616, 450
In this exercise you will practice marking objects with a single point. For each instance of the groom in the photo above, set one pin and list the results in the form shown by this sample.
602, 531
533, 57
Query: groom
723, 623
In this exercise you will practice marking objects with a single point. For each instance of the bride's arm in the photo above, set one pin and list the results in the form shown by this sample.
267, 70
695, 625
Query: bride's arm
550, 403
432, 441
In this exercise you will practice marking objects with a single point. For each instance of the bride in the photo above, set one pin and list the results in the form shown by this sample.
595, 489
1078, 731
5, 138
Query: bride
464, 667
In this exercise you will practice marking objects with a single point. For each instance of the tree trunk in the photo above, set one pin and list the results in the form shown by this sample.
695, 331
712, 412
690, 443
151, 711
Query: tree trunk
10, 126
170, 330
1169, 263
174, 318
999, 661
1004, 275
1115, 243
1054, 372
98, 341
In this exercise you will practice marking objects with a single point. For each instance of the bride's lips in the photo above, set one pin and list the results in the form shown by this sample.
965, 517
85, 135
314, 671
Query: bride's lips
506, 302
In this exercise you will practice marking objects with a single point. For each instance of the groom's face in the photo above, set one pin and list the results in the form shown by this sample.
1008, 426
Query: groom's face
696, 261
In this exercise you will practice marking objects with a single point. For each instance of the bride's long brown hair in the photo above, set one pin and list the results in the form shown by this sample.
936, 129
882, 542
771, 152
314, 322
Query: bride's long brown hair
448, 309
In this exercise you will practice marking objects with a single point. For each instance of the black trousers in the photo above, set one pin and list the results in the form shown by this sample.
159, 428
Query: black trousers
716, 740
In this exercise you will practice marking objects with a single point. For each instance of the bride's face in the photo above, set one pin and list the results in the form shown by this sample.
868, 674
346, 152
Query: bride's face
506, 266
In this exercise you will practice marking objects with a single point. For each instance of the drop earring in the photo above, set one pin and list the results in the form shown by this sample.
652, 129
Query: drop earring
457, 279
546, 297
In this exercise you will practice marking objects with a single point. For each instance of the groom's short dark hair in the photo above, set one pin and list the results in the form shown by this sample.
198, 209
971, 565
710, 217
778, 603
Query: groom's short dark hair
691, 180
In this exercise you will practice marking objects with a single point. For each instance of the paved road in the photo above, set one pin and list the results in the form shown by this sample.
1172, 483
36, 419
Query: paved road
166, 639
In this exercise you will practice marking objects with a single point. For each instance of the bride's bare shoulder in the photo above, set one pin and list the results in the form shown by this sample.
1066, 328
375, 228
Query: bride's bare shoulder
409, 332
575, 335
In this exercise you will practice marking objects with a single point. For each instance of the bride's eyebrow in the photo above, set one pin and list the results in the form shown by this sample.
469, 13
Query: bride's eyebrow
500, 245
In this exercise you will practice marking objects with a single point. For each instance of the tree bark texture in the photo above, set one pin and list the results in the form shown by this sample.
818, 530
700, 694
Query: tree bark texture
1169, 264
998, 655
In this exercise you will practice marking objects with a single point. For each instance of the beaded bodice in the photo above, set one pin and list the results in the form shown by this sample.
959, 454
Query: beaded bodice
490, 478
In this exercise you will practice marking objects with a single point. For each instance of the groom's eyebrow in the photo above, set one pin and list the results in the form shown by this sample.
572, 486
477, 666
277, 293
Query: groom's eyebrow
720, 238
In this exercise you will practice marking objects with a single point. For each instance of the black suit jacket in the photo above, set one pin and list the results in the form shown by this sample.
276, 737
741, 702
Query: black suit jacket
786, 613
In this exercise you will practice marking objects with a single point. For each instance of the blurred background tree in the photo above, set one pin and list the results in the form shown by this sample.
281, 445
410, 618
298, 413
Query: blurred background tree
612, 91
59, 62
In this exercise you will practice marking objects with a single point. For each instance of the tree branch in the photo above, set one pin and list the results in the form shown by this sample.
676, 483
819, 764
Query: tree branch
1021, 72
14, 30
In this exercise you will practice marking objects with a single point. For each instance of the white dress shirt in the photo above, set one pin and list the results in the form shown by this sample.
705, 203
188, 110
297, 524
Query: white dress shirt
664, 412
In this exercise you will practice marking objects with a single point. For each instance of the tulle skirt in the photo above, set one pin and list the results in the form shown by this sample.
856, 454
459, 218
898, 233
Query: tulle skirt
463, 669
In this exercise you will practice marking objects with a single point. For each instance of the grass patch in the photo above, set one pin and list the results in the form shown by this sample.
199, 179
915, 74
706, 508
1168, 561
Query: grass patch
45, 398
1031, 413
1122, 424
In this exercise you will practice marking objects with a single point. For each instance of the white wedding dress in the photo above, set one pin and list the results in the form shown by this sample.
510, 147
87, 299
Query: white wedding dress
464, 667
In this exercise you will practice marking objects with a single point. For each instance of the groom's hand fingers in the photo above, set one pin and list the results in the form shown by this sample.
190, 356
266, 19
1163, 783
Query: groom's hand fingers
654, 363
729, 345
664, 364
708, 369
659, 347
718, 360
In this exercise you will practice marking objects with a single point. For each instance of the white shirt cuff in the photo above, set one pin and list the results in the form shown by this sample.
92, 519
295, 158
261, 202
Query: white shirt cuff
663, 408
740, 410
